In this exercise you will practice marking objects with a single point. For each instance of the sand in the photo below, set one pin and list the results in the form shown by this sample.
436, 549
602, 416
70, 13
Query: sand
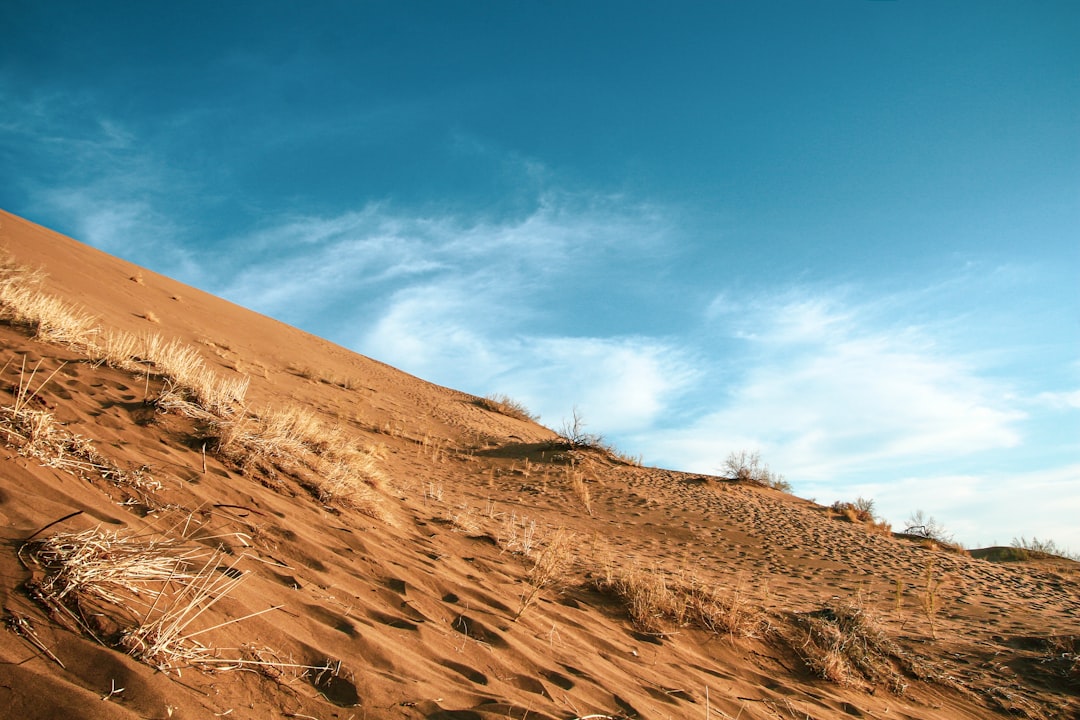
415, 610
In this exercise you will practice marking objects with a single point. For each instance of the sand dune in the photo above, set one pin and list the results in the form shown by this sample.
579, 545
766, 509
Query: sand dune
338, 539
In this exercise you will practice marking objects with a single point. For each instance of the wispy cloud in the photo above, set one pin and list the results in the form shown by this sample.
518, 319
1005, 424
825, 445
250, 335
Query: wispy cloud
827, 388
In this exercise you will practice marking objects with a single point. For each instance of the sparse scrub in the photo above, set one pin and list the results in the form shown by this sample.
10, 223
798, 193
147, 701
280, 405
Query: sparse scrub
1043, 547
746, 466
508, 406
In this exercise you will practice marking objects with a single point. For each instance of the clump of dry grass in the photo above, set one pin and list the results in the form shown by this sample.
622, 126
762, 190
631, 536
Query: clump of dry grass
117, 349
151, 592
657, 602
547, 568
293, 439
191, 388
861, 512
352, 480
581, 489
506, 405
24, 302
846, 645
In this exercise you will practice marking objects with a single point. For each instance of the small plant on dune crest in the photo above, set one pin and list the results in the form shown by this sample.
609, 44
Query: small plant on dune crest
919, 525
548, 566
506, 405
1043, 547
746, 466
862, 512
574, 435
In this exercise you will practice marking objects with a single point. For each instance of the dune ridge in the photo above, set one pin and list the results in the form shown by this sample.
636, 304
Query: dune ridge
334, 538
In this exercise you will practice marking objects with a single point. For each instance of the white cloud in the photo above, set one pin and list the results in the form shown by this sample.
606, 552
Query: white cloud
825, 391
1069, 400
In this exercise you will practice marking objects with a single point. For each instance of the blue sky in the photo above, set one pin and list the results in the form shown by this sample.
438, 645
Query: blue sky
844, 234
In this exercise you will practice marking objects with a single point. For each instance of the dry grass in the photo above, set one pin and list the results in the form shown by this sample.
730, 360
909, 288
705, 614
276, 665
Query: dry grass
581, 490
658, 603
846, 645
117, 349
352, 480
292, 439
508, 406
548, 567
191, 388
24, 302
152, 593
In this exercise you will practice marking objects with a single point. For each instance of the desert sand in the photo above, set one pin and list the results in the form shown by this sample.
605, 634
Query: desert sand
416, 552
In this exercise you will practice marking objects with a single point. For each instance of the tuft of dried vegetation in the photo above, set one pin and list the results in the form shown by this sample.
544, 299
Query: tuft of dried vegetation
292, 439
657, 603
846, 645
24, 302
144, 594
506, 405
548, 566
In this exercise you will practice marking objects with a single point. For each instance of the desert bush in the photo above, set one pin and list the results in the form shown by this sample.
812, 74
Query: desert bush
922, 526
746, 466
574, 435
508, 406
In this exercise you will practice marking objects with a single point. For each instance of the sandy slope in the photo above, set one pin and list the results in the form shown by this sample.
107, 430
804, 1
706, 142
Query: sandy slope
414, 614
